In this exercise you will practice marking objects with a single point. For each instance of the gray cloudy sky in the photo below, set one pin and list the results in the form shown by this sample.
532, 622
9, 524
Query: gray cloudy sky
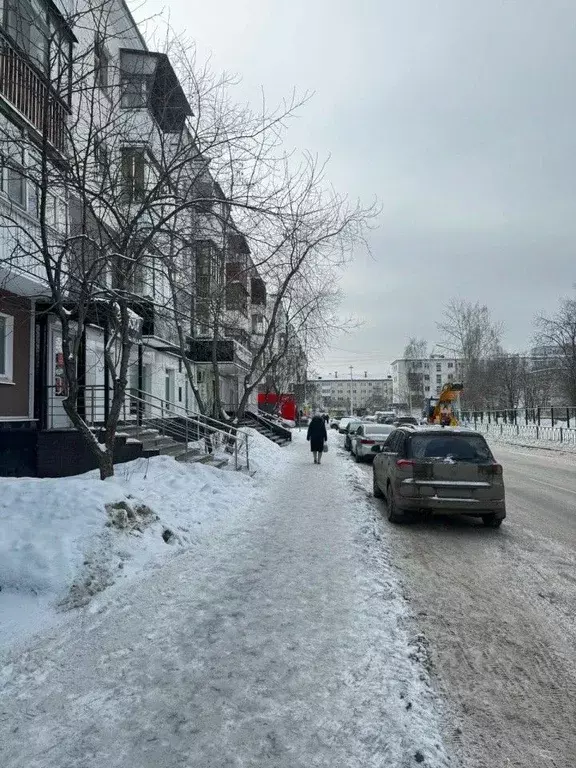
459, 115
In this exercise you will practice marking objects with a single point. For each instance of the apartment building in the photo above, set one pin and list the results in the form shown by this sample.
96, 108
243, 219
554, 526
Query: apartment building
130, 120
358, 393
414, 380
36, 50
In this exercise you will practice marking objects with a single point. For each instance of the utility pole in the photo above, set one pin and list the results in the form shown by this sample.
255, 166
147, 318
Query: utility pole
351, 400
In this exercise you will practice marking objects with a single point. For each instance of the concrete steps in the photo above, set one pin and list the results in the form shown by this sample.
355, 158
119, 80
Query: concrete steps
156, 444
266, 431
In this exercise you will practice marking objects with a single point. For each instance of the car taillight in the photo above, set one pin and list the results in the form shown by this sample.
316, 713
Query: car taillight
368, 442
495, 469
405, 463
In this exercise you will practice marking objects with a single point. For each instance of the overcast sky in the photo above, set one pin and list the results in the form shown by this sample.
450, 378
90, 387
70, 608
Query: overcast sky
459, 115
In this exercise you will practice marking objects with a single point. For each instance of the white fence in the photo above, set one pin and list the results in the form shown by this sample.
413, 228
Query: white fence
532, 432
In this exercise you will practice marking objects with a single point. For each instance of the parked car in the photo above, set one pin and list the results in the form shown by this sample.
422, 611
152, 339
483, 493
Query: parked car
367, 439
343, 423
351, 428
405, 420
334, 422
447, 470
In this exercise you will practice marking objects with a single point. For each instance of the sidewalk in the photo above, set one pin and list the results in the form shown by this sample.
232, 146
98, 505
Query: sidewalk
282, 646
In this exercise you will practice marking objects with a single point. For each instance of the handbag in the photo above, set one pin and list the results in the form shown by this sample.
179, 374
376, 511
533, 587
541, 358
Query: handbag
325, 448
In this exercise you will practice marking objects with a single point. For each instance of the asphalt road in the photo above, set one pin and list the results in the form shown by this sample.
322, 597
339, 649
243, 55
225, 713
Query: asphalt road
498, 611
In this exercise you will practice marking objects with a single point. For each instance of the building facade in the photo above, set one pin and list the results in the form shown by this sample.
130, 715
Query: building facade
211, 290
356, 394
416, 379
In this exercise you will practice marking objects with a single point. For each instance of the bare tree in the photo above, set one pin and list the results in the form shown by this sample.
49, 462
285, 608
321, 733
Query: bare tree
556, 335
470, 334
119, 161
414, 351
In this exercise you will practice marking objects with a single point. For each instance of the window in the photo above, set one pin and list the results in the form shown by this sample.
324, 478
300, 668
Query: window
101, 64
450, 365
426, 377
134, 163
438, 379
438, 366
101, 157
6, 346
426, 389
136, 90
16, 185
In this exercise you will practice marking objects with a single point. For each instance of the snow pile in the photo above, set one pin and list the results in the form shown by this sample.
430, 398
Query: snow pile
62, 540
265, 455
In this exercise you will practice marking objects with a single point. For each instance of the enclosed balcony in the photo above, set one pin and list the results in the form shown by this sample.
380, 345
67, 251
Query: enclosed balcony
258, 292
149, 82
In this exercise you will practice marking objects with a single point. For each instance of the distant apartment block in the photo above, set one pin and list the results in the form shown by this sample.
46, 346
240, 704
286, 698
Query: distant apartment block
416, 379
364, 393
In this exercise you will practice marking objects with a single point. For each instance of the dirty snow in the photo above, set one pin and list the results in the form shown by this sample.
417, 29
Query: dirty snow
284, 642
57, 551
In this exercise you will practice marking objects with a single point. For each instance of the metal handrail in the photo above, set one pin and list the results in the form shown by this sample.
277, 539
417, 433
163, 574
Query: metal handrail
174, 420
172, 407
273, 425
231, 439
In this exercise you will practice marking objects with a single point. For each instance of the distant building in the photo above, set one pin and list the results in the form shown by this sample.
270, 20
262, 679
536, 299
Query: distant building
415, 379
366, 394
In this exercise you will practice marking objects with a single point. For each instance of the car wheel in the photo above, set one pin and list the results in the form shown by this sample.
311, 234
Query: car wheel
491, 521
393, 515
376, 488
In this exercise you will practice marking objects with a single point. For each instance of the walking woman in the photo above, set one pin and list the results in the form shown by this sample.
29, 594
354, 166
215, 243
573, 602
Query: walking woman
317, 436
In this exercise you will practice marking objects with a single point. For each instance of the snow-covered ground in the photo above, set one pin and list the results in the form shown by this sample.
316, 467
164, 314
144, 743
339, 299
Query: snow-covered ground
282, 642
63, 540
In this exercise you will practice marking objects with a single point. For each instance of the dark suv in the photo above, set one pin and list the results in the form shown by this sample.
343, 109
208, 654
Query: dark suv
449, 470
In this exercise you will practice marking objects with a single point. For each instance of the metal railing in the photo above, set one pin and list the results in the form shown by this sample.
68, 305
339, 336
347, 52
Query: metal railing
31, 94
263, 417
540, 415
143, 411
540, 433
195, 433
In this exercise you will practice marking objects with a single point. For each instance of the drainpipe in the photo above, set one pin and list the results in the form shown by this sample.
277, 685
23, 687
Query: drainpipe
106, 376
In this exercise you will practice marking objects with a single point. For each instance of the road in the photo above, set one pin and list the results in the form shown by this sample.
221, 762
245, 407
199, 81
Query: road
498, 610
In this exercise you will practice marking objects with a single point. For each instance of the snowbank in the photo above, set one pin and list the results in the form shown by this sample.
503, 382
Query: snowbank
62, 540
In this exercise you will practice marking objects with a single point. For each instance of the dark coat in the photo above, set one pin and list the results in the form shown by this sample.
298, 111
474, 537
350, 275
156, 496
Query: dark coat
317, 434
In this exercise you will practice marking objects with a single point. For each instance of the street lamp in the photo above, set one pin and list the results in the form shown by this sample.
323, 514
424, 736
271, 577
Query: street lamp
351, 400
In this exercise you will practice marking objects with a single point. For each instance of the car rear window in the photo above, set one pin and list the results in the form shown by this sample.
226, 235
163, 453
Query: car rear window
377, 429
459, 447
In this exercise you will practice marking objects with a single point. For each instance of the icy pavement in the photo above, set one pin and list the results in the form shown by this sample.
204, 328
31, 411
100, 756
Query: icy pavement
284, 645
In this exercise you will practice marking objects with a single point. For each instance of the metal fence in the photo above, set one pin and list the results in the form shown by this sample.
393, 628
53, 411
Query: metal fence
552, 416
544, 433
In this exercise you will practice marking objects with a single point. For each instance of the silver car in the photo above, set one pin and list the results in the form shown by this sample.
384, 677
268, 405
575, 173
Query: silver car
351, 428
449, 470
368, 439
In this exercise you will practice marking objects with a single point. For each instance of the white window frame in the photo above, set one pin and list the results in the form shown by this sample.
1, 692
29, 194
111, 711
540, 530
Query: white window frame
8, 376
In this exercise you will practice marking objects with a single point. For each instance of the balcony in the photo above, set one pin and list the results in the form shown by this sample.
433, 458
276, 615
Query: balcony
149, 81
258, 291
233, 357
31, 95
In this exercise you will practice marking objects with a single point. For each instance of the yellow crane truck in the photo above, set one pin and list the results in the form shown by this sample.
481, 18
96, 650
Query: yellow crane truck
440, 410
